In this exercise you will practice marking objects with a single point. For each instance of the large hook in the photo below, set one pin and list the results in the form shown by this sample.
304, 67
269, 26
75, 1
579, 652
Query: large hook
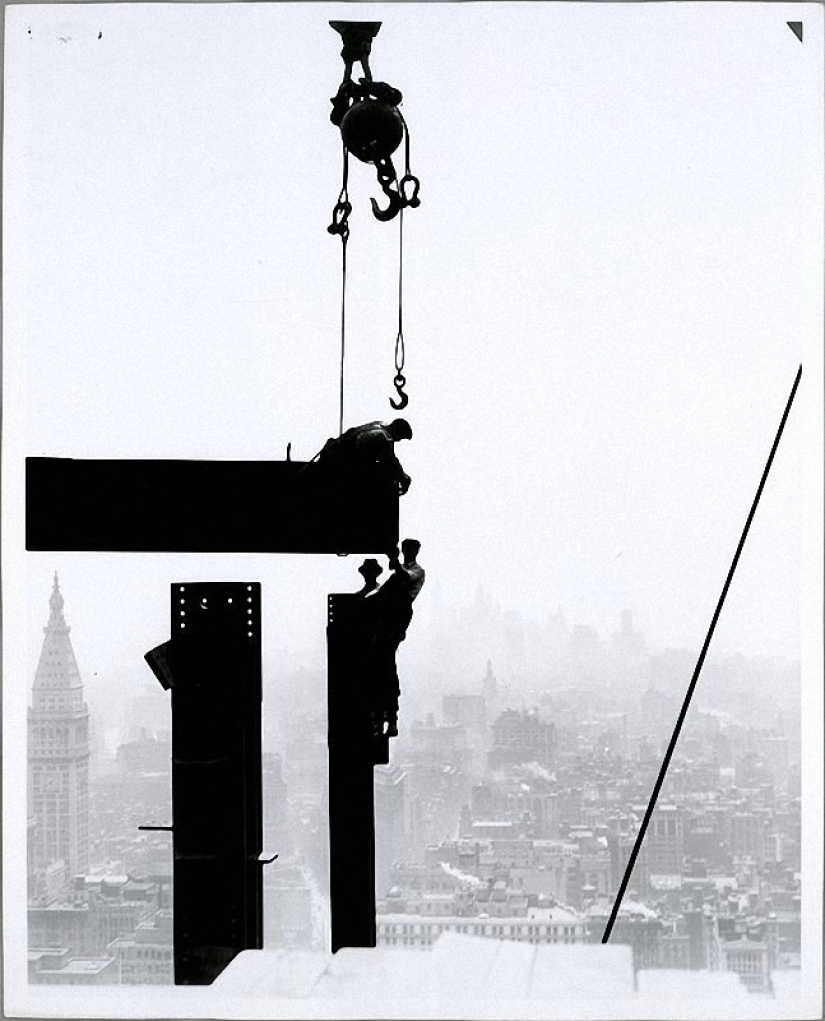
399, 383
400, 193
389, 185
392, 210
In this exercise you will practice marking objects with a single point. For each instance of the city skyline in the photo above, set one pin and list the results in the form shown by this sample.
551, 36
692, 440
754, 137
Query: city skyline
497, 756
111, 683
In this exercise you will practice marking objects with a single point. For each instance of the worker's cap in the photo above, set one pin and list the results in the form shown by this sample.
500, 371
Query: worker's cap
370, 568
411, 546
401, 429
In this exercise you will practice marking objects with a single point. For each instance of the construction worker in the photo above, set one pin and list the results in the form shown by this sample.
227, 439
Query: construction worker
369, 571
369, 448
391, 611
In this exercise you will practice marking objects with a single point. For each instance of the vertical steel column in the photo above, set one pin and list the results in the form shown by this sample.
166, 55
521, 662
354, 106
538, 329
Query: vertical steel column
353, 751
214, 670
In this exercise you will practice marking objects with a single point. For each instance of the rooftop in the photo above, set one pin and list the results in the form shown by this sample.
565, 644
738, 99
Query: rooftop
462, 976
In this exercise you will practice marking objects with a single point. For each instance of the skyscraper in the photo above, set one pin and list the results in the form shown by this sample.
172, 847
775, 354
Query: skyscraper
58, 752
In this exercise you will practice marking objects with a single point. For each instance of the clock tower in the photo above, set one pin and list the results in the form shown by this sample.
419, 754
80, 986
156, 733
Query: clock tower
58, 752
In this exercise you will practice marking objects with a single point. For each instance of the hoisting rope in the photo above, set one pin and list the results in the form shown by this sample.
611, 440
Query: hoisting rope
344, 239
407, 195
400, 352
340, 225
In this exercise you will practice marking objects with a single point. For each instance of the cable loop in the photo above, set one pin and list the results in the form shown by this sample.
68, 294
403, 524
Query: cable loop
399, 352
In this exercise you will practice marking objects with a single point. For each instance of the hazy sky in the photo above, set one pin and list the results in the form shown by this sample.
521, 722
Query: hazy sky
612, 277
615, 270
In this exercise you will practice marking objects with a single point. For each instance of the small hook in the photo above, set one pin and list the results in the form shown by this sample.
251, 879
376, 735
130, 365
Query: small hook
399, 383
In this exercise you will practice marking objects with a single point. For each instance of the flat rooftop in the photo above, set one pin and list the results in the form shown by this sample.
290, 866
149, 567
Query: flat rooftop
460, 977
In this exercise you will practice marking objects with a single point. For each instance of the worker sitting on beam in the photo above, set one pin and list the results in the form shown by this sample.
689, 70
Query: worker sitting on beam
369, 448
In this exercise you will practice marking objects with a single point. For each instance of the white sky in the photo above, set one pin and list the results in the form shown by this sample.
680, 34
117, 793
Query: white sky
614, 273
611, 280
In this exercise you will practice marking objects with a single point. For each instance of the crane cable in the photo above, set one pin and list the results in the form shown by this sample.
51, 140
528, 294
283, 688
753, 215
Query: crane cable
345, 206
399, 382
344, 239
340, 225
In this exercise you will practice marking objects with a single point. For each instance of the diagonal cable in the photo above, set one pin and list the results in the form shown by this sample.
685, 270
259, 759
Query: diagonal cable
677, 730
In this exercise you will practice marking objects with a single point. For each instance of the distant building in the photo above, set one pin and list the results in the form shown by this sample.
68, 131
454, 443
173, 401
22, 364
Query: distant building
537, 926
521, 737
277, 834
636, 925
148, 754
31, 826
749, 960
674, 950
776, 751
434, 744
146, 957
58, 967
745, 836
703, 933
287, 909
58, 752
470, 711
98, 910
663, 848
489, 685
305, 757
628, 651
390, 822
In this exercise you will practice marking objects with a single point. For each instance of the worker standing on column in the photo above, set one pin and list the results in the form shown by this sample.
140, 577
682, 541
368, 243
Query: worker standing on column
369, 571
392, 611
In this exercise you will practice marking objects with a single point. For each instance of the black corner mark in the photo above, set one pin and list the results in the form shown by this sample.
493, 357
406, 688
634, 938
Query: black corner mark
796, 28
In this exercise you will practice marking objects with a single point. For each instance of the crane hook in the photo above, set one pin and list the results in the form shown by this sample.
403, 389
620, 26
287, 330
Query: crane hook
393, 209
399, 383
405, 193
388, 180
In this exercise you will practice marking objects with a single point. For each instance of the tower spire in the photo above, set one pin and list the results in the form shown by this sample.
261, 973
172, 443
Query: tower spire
56, 618
57, 668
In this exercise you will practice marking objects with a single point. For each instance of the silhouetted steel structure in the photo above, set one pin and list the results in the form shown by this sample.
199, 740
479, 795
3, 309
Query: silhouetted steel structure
353, 752
212, 663
179, 506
